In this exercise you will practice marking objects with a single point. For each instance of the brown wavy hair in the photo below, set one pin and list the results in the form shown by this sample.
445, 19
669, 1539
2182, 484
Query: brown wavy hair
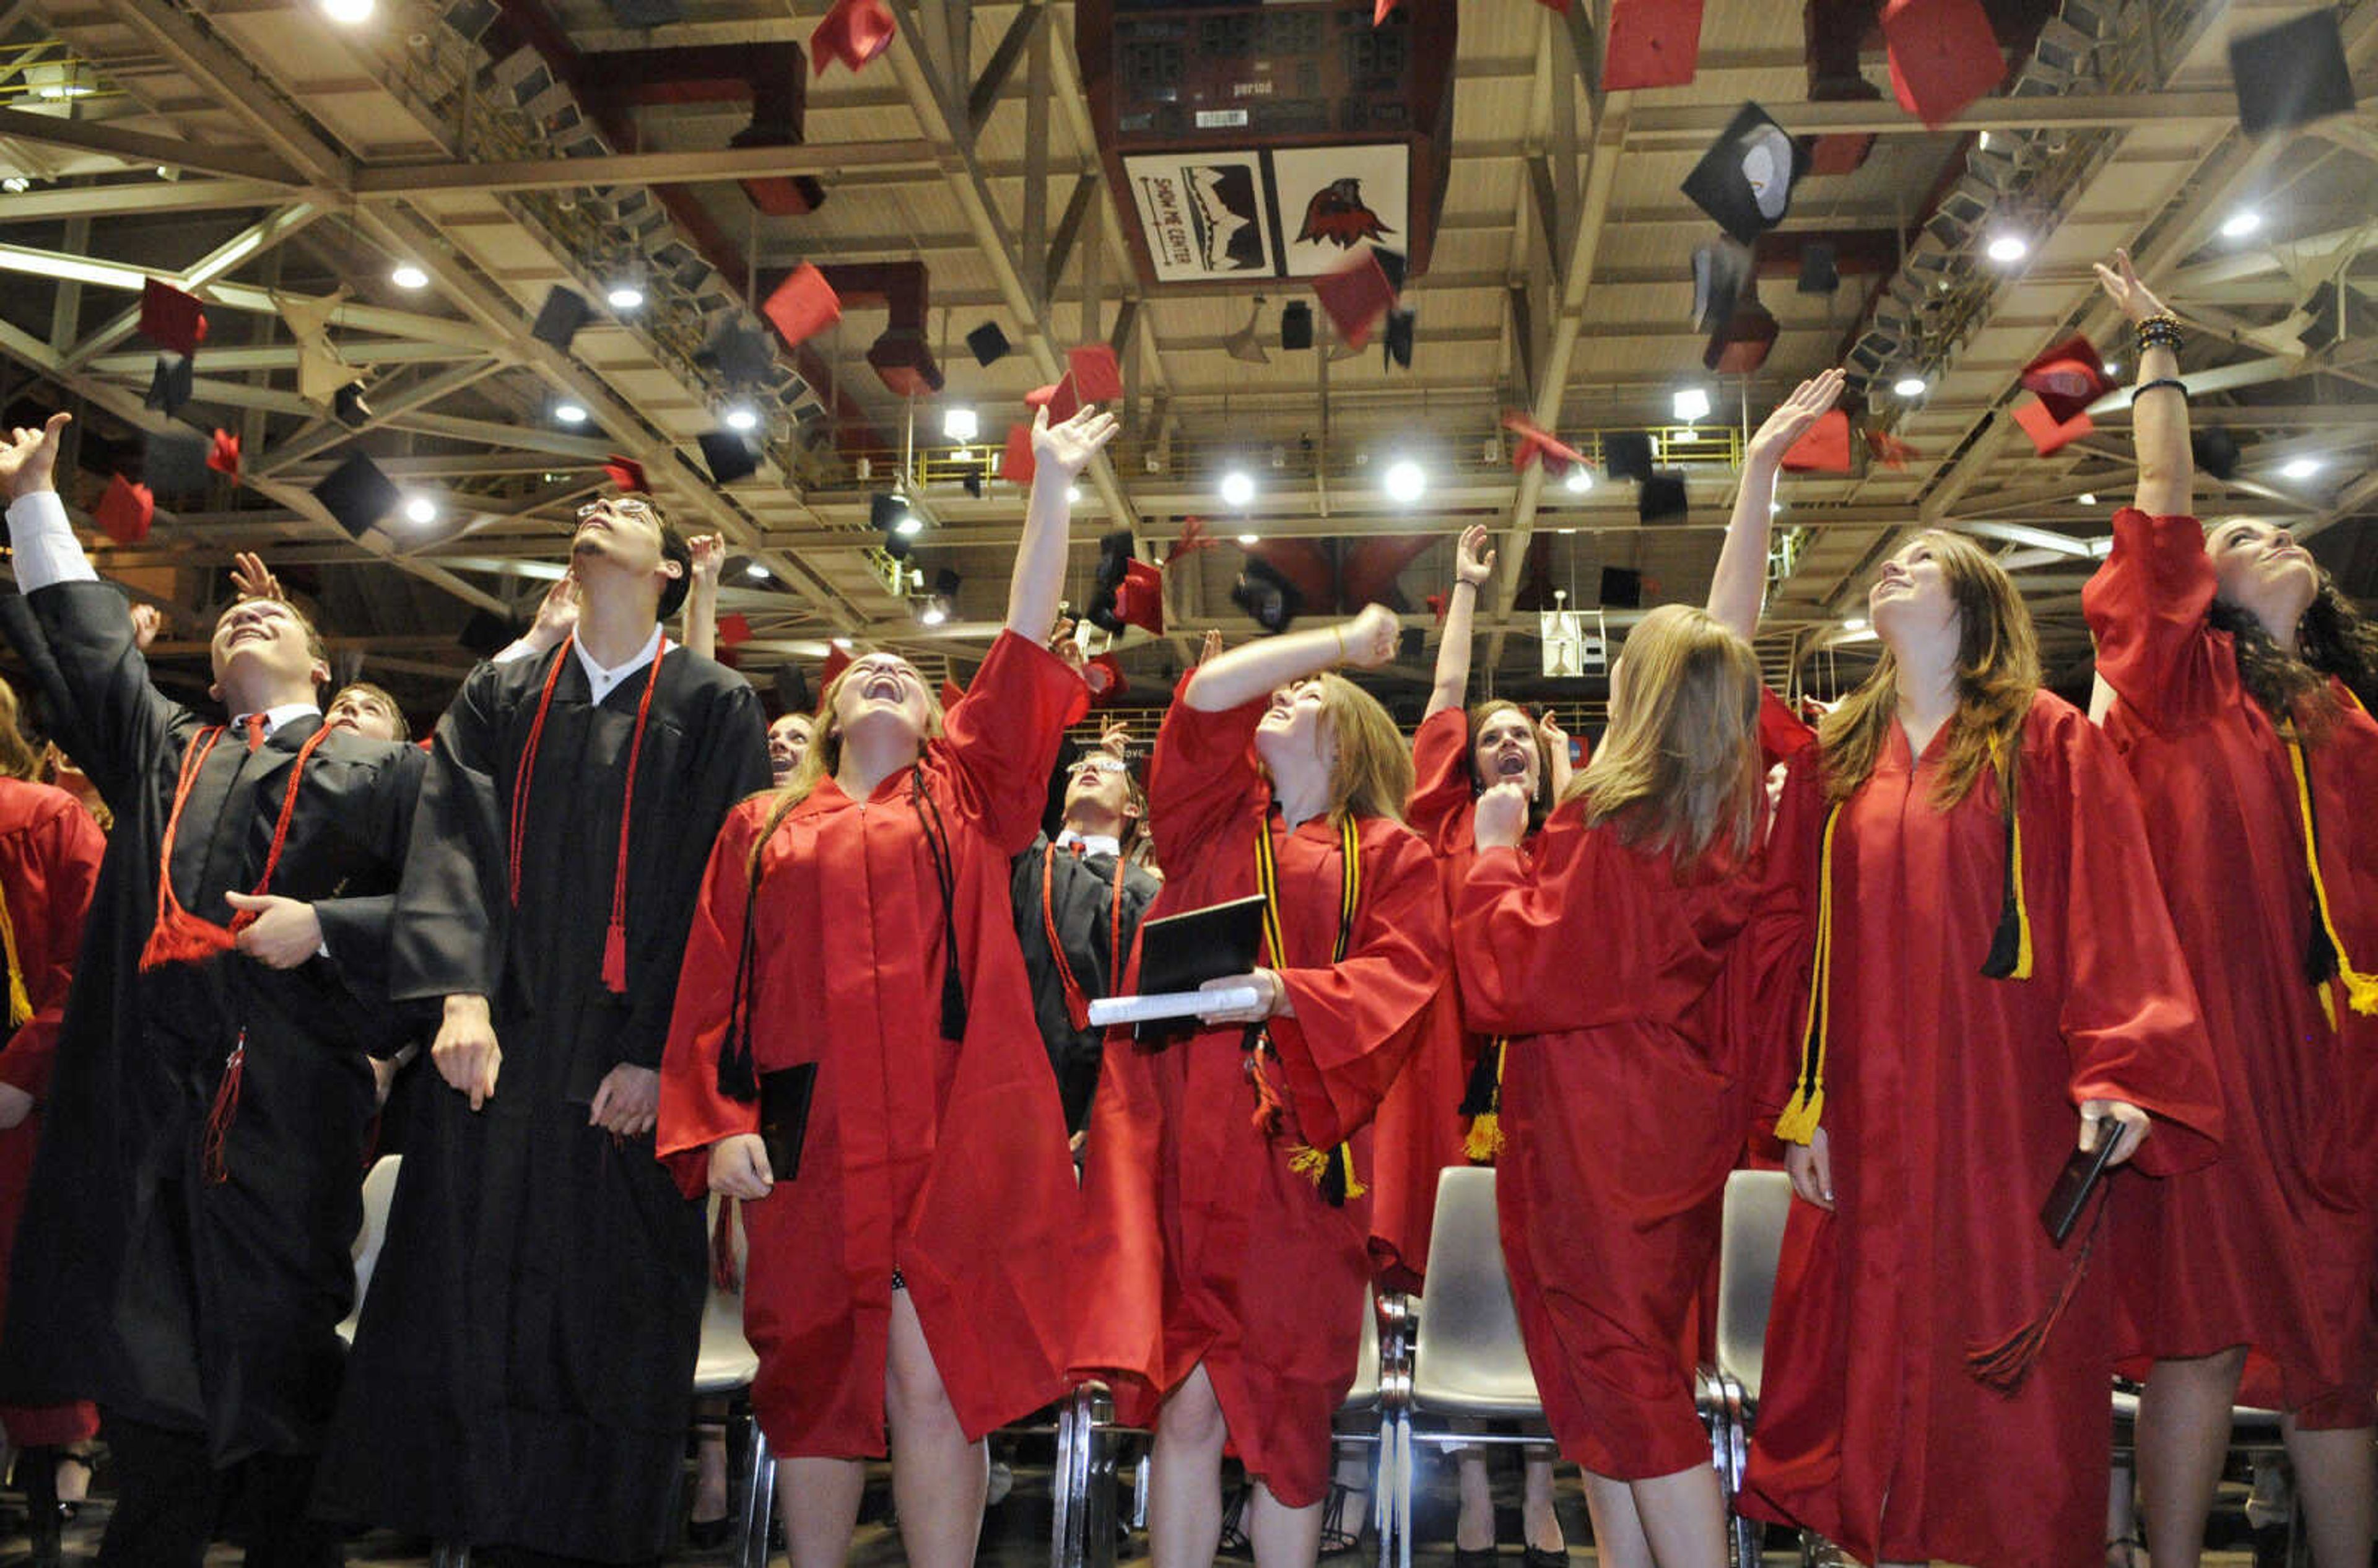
1373, 771
1541, 803
18, 758
1678, 767
1998, 675
2332, 639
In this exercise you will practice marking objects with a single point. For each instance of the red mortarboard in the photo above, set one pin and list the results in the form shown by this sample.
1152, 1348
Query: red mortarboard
1192, 538
1103, 676
1095, 373
1535, 442
1015, 463
804, 304
223, 455
1888, 449
1356, 295
733, 630
1139, 598
1062, 400
1651, 43
837, 660
1381, 10
2068, 378
1739, 346
853, 32
171, 318
1943, 56
2049, 434
1824, 448
125, 511
628, 475
1436, 608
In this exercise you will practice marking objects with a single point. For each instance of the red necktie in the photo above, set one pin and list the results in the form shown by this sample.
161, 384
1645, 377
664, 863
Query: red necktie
255, 731
1077, 847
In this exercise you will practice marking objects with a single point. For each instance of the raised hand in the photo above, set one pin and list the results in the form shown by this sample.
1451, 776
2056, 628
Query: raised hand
30, 458
1210, 645
147, 621
1792, 416
556, 617
1467, 564
1369, 640
253, 579
2122, 284
1116, 739
1066, 643
1553, 742
709, 553
1068, 447
1501, 819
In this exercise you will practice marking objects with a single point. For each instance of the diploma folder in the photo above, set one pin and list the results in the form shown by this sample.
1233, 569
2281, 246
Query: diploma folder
784, 1117
1180, 953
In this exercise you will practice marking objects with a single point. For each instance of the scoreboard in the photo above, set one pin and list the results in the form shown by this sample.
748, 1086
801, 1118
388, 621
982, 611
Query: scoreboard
1260, 141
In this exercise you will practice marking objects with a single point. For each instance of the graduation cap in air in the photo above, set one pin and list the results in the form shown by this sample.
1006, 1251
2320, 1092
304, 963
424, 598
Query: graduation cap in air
1823, 448
1721, 271
1103, 676
1745, 179
173, 461
223, 455
1015, 461
738, 351
2291, 74
1820, 268
1097, 377
1538, 444
793, 689
1943, 56
971, 476
1739, 347
853, 31
487, 633
125, 511
1651, 43
171, 319
884, 511
171, 384
1356, 295
1622, 589
1129, 591
2068, 378
1061, 398
1627, 454
347, 406
2047, 432
1887, 449
628, 475
988, 344
322, 373
802, 305
1296, 325
1266, 596
730, 456
559, 317
356, 494
1662, 498
733, 630
2215, 451
837, 659
1395, 341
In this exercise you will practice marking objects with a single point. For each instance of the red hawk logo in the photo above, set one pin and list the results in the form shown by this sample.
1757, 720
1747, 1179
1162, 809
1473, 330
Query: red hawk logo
1336, 216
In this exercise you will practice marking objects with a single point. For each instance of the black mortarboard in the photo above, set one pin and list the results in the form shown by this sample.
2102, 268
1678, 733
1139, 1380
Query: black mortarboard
1395, 341
170, 385
559, 317
741, 353
793, 689
1739, 345
1622, 588
885, 511
1745, 179
1821, 268
898, 546
173, 461
946, 581
2215, 451
730, 456
2291, 74
1662, 498
1296, 325
347, 406
970, 476
487, 633
986, 343
357, 494
1265, 595
1392, 263
1721, 268
1627, 454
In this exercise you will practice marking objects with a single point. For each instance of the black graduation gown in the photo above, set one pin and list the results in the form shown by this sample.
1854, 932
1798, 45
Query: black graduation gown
522, 1373
1082, 888
203, 1307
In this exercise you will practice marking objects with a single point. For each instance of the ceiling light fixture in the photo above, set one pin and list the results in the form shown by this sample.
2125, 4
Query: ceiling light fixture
934, 615
2009, 249
757, 571
1238, 490
1910, 385
1405, 482
1250, 538
2089, 498
2240, 223
569, 413
347, 13
960, 424
408, 276
2300, 468
625, 295
420, 509
1691, 404
1580, 480
909, 525
741, 418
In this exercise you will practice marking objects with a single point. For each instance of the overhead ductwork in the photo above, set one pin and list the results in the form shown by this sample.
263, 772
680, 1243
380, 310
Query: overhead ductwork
900, 354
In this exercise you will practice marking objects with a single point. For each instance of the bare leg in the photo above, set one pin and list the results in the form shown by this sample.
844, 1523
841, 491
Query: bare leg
1540, 1525
1683, 1515
820, 1501
2121, 1517
2335, 1480
1282, 1536
2183, 1438
938, 1477
1184, 1476
1473, 1530
1618, 1538
709, 1461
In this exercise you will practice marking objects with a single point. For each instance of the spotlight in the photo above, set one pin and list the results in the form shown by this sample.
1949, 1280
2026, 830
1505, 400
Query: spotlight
1238, 490
959, 424
422, 510
1405, 482
2087, 497
569, 413
624, 295
2300, 468
756, 571
2240, 223
909, 525
2113, 367
15, 184
1073, 495
347, 13
1250, 538
1580, 480
408, 276
741, 418
2009, 249
932, 615
1692, 404
1855, 623
1910, 385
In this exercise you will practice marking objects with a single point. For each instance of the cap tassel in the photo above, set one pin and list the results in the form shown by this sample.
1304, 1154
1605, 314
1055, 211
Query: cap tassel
213, 1157
615, 957
723, 1271
739, 1076
2010, 955
180, 936
1481, 1102
1807, 1106
21, 1006
2005, 1364
2325, 956
1270, 1112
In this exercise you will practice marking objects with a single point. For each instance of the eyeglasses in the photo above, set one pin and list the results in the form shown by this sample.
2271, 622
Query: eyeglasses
627, 506
1104, 764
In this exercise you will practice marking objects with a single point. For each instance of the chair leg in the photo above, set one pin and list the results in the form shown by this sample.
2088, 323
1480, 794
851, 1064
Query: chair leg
759, 1502
1100, 1443
1070, 1530
1403, 1488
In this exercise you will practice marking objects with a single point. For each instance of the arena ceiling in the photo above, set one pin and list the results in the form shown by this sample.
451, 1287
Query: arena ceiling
283, 165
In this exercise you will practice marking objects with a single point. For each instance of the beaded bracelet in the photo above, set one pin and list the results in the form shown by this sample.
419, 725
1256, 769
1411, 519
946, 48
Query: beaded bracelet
2159, 331
2174, 382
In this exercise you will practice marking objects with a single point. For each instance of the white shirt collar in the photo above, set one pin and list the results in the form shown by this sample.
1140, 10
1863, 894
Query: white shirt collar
1092, 843
604, 680
274, 718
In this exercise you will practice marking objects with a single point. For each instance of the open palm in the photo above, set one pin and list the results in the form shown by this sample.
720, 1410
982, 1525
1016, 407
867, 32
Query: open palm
2120, 282
1069, 447
1792, 416
28, 458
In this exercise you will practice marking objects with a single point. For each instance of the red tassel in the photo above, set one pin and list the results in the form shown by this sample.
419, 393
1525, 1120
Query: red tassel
180, 936
212, 1161
723, 1271
1270, 1112
615, 957
2003, 1365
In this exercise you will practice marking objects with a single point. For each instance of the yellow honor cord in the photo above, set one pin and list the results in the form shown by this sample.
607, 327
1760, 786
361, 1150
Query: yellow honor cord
21, 1006
1308, 1162
1798, 1122
1485, 1140
2360, 989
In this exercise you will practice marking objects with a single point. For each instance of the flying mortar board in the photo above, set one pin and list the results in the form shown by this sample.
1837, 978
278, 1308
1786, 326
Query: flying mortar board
1622, 589
1265, 595
1103, 676
356, 494
793, 693
1061, 398
2215, 451
837, 659
853, 31
559, 317
172, 460
988, 344
124, 510
171, 320
2291, 74
1739, 347
487, 633
628, 475
728, 455
1943, 56
1296, 325
802, 305
1820, 268
1721, 269
1015, 461
1627, 454
171, 384
1651, 43
347, 406
223, 455
2047, 432
1097, 377
1396, 341
2068, 378
740, 353
1662, 498
1745, 179
1823, 448
1537, 443
1356, 295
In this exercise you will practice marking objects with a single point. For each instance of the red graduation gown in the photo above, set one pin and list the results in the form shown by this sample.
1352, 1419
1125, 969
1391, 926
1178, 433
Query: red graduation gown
50, 850
2275, 1245
946, 1159
1628, 995
1950, 1103
1208, 1245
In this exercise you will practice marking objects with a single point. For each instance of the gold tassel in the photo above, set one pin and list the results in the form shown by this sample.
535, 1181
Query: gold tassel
21, 1006
2360, 989
1308, 1162
1807, 1106
2022, 911
1485, 1141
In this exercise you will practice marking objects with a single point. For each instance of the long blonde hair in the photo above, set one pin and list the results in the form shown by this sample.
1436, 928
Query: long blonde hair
1373, 773
18, 758
824, 759
1998, 675
1678, 767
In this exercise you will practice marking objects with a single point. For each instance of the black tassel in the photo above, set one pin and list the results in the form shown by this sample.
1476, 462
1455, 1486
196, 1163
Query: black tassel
2006, 944
1479, 1096
738, 1074
937, 842
954, 1002
2320, 953
1333, 1178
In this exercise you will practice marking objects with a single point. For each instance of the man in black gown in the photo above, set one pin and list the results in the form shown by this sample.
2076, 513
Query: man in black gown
522, 1375
183, 1258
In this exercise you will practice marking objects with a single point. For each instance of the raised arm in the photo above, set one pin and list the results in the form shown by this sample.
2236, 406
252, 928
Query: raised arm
557, 617
1060, 452
702, 596
1255, 669
1739, 583
1470, 572
2159, 406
